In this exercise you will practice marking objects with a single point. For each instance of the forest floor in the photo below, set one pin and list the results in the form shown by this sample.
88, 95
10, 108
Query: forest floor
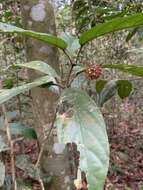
126, 159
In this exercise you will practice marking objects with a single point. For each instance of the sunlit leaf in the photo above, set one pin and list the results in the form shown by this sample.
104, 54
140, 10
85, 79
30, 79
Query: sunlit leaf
131, 69
47, 38
121, 23
83, 124
40, 66
8, 94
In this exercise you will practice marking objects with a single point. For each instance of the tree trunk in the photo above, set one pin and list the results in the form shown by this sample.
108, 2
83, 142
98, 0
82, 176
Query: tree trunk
38, 15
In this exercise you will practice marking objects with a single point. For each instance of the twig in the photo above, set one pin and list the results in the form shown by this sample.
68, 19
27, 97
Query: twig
71, 62
78, 54
11, 143
45, 139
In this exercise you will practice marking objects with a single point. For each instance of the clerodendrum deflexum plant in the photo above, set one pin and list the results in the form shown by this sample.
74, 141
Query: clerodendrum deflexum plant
82, 122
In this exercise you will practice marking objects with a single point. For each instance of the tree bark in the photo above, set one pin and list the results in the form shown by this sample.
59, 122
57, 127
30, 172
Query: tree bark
38, 15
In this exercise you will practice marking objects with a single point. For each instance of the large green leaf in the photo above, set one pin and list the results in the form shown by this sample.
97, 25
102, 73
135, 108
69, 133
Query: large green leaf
135, 20
7, 94
83, 124
40, 66
131, 69
47, 38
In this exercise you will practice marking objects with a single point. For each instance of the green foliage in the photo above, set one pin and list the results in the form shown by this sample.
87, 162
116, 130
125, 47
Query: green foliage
112, 26
8, 94
82, 123
47, 38
24, 163
87, 129
40, 66
124, 88
131, 69
109, 89
16, 129
108, 92
100, 85
8, 83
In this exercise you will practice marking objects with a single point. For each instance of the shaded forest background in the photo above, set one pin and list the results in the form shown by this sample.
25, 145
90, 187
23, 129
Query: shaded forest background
124, 118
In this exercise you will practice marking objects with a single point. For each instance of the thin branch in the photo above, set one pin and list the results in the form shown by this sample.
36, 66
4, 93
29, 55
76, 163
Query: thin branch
75, 77
77, 58
11, 144
45, 139
69, 58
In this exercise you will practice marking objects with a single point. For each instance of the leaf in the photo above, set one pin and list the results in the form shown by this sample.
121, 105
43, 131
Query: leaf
131, 69
108, 92
8, 94
3, 146
84, 125
135, 20
2, 174
40, 66
100, 85
47, 38
73, 42
17, 129
124, 88
24, 163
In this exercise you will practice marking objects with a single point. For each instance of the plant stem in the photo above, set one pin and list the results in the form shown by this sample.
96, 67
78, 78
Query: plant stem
11, 144
46, 138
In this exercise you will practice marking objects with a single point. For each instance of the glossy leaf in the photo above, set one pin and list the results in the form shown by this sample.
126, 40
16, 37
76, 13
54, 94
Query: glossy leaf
131, 69
40, 66
83, 124
47, 38
135, 20
2, 174
124, 88
8, 94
